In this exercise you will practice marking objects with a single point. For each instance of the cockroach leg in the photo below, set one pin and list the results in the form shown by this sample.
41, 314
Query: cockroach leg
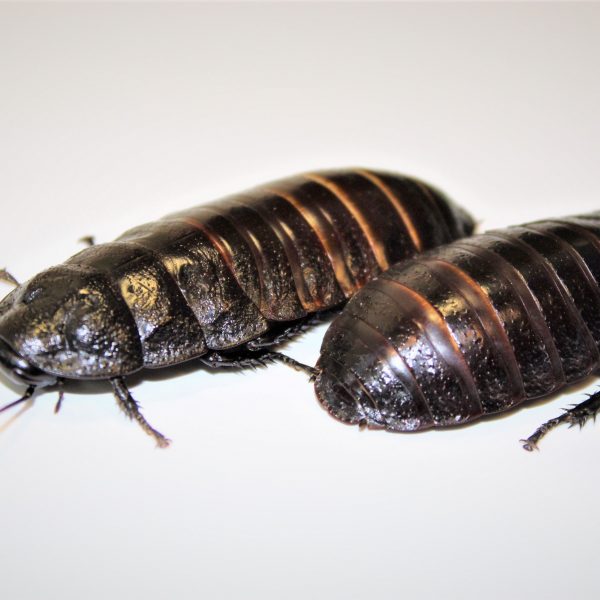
284, 335
268, 341
131, 408
61, 396
291, 362
7, 277
260, 346
578, 414
26, 396
253, 358
238, 360
88, 240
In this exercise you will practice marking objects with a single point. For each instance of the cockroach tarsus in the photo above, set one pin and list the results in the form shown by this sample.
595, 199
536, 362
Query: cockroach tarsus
576, 415
469, 329
223, 283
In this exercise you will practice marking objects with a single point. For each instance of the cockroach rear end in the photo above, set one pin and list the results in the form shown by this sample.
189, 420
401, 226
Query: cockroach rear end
470, 329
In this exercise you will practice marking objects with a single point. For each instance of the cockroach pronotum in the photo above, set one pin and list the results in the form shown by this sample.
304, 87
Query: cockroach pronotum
223, 283
470, 329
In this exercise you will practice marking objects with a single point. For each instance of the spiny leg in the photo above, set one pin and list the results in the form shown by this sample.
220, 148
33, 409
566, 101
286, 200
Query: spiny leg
281, 336
131, 408
261, 345
285, 334
217, 360
8, 278
256, 353
578, 414
253, 359
292, 362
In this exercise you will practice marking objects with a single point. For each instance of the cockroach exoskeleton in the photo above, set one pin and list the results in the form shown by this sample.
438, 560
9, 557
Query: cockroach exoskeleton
223, 283
469, 329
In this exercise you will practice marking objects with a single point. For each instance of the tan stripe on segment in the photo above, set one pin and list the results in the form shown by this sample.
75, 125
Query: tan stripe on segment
524, 295
439, 335
224, 249
340, 268
287, 239
220, 244
388, 353
397, 204
344, 198
488, 317
570, 251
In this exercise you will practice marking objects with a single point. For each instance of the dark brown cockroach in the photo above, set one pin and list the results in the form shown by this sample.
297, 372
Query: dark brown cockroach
469, 329
224, 282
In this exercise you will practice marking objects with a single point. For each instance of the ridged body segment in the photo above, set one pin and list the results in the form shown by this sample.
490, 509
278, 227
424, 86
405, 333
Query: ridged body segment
471, 328
213, 277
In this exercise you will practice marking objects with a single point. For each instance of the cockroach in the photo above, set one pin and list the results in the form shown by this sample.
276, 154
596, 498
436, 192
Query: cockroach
469, 329
223, 283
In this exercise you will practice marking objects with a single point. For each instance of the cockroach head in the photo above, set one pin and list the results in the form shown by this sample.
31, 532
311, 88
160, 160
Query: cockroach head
20, 370
67, 322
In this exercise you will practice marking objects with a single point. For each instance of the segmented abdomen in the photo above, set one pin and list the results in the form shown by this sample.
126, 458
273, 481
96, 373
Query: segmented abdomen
468, 329
218, 275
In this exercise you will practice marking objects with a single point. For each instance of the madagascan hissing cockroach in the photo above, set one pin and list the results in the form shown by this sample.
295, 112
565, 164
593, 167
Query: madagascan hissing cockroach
469, 329
223, 282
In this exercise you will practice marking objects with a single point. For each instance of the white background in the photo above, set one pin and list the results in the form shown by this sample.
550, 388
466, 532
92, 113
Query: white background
115, 115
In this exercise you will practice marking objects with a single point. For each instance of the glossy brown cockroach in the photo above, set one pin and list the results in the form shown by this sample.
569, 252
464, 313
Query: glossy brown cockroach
469, 329
223, 282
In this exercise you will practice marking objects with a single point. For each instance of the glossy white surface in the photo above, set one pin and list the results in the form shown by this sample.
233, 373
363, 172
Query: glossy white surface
115, 115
